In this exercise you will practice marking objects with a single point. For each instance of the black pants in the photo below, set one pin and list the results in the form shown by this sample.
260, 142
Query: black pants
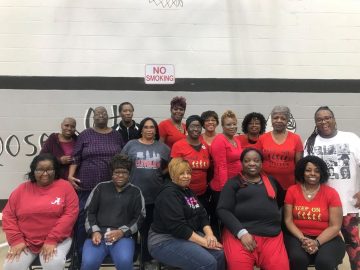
328, 256
144, 231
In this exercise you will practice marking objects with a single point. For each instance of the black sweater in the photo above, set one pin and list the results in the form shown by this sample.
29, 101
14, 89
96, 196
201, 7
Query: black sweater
249, 207
108, 208
178, 212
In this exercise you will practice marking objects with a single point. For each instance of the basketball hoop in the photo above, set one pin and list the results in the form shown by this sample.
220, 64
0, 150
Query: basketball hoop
167, 3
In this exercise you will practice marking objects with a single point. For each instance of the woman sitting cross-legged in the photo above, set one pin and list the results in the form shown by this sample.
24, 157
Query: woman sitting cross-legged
115, 210
313, 216
180, 234
249, 209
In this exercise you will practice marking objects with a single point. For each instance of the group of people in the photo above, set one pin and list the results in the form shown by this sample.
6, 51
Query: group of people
199, 199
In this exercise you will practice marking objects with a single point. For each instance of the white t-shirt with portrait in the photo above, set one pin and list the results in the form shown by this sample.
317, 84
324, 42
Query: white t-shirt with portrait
342, 155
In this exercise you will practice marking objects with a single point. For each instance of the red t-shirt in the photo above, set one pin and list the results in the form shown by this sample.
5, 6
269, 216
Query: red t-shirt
226, 159
243, 138
312, 217
170, 133
199, 163
279, 159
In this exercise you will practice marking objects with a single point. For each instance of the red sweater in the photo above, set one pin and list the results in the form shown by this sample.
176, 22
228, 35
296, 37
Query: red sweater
170, 133
36, 215
312, 217
199, 163
226, 159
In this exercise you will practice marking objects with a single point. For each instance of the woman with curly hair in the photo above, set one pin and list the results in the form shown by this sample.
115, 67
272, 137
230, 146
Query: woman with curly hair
173, 129
253, 126
313, 216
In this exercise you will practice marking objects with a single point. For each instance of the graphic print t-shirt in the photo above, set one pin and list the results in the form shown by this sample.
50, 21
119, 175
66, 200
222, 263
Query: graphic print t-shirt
148, 162
342, 156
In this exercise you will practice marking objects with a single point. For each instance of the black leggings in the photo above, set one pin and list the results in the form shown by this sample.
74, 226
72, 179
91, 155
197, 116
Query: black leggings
328, 256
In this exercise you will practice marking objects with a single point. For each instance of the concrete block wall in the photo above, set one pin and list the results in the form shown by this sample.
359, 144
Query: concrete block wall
206, 39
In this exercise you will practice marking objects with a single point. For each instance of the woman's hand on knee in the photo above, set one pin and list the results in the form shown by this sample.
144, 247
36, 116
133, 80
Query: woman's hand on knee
96, 238
248, 242
48, 251
15, 252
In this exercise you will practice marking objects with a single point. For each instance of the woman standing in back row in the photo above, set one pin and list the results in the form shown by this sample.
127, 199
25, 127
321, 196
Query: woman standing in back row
281, 148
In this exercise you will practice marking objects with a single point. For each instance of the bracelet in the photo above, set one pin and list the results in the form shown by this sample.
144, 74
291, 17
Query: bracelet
317, 242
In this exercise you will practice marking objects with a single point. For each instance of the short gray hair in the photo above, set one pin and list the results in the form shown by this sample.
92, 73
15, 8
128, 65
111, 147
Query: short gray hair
282, 110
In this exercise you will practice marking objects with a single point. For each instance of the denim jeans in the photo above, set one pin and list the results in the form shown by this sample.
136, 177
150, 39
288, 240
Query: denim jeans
121, 252
187, 255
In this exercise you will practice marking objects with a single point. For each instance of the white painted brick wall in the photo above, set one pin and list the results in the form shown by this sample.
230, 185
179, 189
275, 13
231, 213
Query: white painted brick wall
212, 38
37, 111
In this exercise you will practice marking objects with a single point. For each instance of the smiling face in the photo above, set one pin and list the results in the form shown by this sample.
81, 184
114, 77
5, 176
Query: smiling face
183, 179
126, 113
177, 113
251, 164
210, 124
254, 127
229, 126
279, 122
120, 177
68, 127
148, 131
312, 174
325, 123
194, 130
44, 173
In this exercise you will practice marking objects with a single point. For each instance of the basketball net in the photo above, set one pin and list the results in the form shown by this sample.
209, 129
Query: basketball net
167, 3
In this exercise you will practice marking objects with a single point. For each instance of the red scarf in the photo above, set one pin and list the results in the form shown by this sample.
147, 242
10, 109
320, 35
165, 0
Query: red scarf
269, 188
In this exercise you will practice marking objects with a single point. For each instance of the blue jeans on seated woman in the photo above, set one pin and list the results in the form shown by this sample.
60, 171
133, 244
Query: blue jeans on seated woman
188, 255
121, 252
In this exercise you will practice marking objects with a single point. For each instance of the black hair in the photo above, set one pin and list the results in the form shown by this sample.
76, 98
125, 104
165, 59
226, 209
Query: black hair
125, 103
249, 117
42, 157
120, 161
178, 101
318, 162
207, 114
247, 150
142, 123
309, 146
193, 118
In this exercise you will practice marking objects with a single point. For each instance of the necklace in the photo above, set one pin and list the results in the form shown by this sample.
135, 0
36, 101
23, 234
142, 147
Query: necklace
232, 141
179, 127
310, 194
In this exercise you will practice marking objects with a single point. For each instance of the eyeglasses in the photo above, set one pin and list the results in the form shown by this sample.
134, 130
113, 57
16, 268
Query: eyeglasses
325, 119
41, 171
118, 173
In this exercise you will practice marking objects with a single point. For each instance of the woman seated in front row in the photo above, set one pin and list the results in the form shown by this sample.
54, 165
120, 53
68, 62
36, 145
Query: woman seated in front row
39, 217
249, 209
180, 234
313, 216
115, 210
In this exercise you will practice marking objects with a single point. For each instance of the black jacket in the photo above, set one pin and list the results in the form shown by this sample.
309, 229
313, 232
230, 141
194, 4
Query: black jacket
128, 133
178, 212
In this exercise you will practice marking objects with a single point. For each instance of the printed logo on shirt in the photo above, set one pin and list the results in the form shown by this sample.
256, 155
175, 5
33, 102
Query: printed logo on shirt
199, 164
192, 202
305, 212
147, 161
278, 159
57, 201
337, 158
